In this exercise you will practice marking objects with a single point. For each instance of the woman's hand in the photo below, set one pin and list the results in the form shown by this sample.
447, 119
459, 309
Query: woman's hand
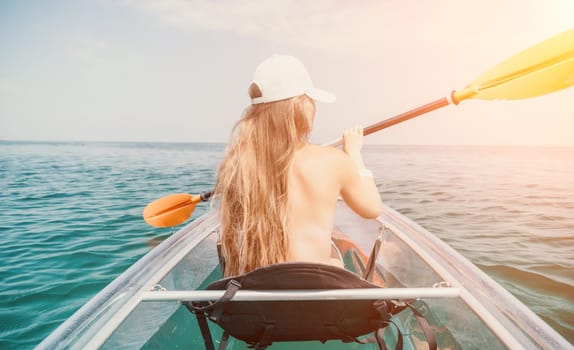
353, 140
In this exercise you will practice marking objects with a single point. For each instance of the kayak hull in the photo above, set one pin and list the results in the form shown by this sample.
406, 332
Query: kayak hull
141, 309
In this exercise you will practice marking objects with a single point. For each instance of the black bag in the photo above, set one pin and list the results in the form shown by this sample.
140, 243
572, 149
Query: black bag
260, 323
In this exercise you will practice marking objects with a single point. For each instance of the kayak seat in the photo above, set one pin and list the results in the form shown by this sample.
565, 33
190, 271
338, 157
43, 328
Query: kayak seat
260, 323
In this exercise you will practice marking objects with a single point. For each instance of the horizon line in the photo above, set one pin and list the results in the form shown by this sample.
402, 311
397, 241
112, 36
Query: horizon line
2, 140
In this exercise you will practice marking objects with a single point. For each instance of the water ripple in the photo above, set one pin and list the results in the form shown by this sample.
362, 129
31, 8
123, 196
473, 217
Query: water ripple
71, 222
508, 210
71, 218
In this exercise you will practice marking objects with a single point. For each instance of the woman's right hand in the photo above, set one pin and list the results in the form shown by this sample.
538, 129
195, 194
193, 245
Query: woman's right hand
353, 140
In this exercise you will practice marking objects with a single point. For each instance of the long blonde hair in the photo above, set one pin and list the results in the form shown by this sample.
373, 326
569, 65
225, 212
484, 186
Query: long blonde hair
252, 182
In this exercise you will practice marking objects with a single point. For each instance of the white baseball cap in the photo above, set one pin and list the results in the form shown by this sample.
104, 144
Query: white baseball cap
281, 77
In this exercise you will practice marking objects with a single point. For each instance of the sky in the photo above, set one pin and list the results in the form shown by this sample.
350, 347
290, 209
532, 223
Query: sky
178, 71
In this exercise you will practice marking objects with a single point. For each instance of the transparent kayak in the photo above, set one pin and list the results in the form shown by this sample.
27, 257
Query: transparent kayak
466, 309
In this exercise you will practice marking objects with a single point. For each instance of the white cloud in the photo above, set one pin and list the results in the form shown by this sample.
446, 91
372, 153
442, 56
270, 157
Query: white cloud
367, 28
5, 87
88, 50
322, 24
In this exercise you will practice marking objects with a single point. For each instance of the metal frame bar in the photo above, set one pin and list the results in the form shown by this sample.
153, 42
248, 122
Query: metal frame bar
308, 295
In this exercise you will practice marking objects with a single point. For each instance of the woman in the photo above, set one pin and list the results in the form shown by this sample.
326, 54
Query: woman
278, 192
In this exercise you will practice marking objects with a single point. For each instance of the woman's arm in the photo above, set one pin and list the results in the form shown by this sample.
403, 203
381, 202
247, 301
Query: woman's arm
358, 187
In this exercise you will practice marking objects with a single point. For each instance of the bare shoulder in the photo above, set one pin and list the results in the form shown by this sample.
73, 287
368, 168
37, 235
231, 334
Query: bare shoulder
326, 159
330, 154
337, 158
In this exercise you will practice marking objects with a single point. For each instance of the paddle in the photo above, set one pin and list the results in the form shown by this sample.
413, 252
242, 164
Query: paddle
539, 70
174, 209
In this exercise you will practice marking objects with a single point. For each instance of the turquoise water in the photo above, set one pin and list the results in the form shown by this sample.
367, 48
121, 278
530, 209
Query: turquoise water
70, 218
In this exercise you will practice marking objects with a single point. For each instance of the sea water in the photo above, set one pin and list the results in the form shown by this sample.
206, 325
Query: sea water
70, 218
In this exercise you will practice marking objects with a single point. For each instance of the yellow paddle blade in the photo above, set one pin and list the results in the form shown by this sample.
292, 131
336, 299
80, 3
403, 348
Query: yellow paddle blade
539, 70
170, 210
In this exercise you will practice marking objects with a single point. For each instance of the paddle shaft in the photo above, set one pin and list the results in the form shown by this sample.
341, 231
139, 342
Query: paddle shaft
442, 102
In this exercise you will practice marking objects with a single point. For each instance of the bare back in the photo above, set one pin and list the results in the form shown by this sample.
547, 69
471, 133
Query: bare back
313, 191
318, 175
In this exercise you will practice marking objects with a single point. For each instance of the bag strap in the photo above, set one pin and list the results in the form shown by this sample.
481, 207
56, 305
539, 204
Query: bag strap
384, 308
220, 257
431, 340
232, 287
379, 338
265, 340
216, 309
203, 326
371, 263
223, 342
387, 309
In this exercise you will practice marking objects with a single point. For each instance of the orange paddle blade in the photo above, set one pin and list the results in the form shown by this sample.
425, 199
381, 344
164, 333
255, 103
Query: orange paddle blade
170, 210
